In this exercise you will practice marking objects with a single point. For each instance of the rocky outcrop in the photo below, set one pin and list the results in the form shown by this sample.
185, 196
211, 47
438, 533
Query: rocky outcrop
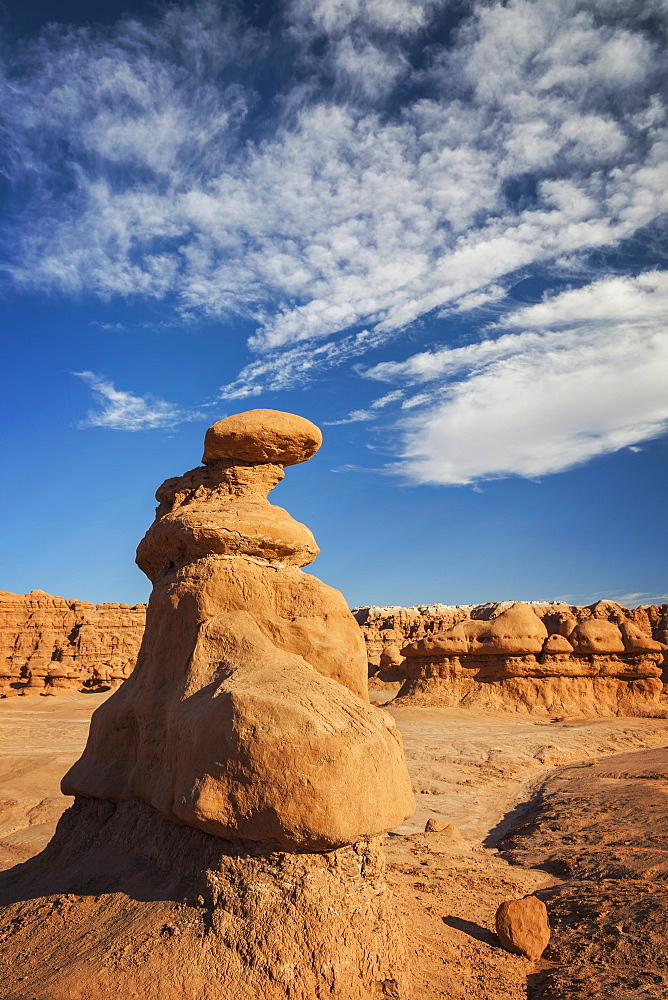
240, 761
541, 658
522, 926
387, 627
48, 643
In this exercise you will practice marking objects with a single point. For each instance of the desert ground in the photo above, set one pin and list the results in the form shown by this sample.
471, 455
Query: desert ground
575, 811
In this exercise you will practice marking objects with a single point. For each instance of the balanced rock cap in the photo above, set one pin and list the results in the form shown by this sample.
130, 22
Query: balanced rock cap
262, 436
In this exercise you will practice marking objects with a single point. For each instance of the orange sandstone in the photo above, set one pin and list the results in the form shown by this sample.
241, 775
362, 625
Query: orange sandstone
239, 777
522, 926
262, 436
247, 714
516, 659
48, 643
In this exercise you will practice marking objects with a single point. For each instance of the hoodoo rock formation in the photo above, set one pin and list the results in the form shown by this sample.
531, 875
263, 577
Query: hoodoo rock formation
224, 841
517, 659
47, 643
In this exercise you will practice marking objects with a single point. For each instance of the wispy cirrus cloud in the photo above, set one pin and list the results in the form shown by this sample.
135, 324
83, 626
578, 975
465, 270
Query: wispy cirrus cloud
632, 600
371, 413
584, 375
354, 417
121, 410
173, 181
382, 178
298, 365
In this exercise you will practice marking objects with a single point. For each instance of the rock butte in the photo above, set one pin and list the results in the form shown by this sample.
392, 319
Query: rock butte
544, 658
241, 757
47, 643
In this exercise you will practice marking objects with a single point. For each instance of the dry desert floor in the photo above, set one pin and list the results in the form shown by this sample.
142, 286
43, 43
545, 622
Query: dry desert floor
574, 810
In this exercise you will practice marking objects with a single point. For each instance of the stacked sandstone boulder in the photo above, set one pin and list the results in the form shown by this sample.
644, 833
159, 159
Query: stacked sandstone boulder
47, 643
594, 667
232, 794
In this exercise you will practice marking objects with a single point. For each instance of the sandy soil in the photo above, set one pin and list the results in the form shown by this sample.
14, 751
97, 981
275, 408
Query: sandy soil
472, 769
482, 773
40, 738
602, 831
488, 776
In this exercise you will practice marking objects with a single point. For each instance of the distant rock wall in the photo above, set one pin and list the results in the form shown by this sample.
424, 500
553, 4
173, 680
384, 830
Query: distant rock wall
47, 643
542, 657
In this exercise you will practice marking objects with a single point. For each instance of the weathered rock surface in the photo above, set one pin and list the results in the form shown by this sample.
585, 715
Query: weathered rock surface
47, 643
522, 926
240, 758
240, 642
262, 436
399, 626
434, 825
545, 659
124, 903
467, 769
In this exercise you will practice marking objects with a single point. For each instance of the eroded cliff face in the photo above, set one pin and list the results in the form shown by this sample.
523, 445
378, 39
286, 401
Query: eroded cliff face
385, 626
539, 657
47, 643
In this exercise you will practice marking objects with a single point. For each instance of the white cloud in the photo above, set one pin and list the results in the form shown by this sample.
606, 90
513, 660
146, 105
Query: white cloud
335, 17
476, 300
170, 183
144, 161
298, 365
124, 411
372, 69
638, 599
640, 300
633, 598
587, 380
420, 399
390, 397
354, 417
371, 413
428, 366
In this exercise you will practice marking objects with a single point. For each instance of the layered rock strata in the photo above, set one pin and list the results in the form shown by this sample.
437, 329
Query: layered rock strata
513, 661
387, 629
240, 762
47, 643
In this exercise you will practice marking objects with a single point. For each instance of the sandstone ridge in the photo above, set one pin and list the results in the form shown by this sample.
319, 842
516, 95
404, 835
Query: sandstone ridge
541, 658
48, 644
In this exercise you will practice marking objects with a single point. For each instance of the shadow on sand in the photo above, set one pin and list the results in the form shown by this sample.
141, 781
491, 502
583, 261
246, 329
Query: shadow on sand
473, 930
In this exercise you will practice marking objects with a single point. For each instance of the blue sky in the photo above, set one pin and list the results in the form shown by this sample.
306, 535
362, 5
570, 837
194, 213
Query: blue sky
435, 228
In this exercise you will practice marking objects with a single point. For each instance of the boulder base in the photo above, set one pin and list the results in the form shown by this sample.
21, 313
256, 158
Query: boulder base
140, 907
